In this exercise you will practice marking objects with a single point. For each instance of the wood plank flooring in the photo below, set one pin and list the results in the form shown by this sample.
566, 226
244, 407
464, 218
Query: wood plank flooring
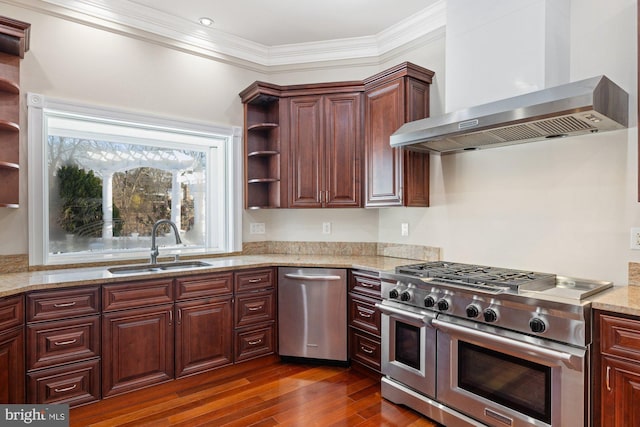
260, 393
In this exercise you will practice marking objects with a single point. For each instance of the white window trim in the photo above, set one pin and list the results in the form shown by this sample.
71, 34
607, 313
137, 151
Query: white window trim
38, 105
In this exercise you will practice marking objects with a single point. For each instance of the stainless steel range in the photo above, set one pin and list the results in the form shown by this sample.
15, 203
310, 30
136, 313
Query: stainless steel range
471, 345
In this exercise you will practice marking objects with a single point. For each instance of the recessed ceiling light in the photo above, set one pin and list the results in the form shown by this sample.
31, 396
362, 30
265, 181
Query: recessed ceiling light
207, 22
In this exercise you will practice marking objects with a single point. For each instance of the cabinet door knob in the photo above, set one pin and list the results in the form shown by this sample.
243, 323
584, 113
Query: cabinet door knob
366, 350
62, 390
64, 304
59, 343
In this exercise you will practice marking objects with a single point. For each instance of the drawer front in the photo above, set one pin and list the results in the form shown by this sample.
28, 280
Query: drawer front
63, 341
366, 283
365, 349
74, 384
254, 343
363, 314
11, 312
204, 286
136, 294
253, 280
254, 308
620, 337
51, 305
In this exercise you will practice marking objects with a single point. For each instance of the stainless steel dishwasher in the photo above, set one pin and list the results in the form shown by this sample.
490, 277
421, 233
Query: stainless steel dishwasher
312, 313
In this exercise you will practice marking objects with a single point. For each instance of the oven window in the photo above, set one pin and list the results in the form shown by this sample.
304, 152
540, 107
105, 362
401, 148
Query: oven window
518, 384
408, 345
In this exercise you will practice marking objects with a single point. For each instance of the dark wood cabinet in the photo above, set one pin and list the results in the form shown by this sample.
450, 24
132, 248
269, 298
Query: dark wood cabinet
325, 150
12, 373
204, 323
137, 348
321, 144
364, 320
265, 151
255, 313
14, 37
617, 370
63, 346
204, 337
395, 177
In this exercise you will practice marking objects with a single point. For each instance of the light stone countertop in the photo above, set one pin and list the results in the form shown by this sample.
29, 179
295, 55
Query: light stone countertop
620, 299
15, 283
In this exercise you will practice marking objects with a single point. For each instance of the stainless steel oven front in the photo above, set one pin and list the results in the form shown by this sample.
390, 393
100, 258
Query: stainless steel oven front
509, 379
409, 347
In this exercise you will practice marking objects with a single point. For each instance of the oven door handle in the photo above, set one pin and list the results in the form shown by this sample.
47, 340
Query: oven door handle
572, 361
425, 318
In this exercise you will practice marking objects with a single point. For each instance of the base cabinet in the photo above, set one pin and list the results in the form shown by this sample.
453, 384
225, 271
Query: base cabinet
617, 388
203, 335
137, 349
364, 319
12, 381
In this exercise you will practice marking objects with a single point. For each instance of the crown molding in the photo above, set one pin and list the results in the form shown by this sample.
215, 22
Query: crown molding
141, 22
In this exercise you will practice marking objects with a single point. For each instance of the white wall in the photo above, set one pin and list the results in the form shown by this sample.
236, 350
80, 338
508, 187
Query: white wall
563, 206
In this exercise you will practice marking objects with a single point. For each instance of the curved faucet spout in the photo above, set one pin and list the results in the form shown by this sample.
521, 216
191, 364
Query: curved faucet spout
154, 248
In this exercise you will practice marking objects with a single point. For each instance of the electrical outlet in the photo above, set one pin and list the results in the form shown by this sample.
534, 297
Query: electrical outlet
326, 228
635, 238
256, 228
404, 229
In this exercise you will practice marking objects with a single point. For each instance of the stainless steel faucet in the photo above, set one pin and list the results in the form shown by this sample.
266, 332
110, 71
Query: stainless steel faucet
154, 247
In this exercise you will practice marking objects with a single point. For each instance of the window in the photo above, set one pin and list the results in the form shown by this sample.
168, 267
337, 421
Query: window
100, 178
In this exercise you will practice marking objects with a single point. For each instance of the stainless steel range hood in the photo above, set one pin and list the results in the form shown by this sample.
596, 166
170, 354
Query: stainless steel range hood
587, 106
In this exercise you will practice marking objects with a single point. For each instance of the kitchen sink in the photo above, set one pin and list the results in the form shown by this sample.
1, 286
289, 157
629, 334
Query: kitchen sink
151, 268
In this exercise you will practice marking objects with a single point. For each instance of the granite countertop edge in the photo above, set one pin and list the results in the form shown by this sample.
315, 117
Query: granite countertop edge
620, 299
17, 283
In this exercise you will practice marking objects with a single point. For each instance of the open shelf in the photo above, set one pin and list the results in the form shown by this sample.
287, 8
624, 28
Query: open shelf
262, 148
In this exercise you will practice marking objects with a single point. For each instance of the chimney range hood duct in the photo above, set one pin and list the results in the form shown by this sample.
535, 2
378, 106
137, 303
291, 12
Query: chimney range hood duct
587, 106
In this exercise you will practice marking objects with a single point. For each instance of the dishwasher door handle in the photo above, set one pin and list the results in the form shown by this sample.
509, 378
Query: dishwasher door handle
311, 277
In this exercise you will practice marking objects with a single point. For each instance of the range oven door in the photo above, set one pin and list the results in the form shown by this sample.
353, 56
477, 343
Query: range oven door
506, 379
409, 347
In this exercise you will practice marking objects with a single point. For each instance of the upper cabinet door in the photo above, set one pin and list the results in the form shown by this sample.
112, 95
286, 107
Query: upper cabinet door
325, 144
306, 150
343, 148
384, 113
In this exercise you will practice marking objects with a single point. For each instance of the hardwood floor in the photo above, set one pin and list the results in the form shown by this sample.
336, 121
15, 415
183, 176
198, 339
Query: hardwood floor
258, 393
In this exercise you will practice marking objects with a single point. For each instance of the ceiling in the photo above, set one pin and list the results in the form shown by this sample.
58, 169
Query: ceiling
262, 33
280, 22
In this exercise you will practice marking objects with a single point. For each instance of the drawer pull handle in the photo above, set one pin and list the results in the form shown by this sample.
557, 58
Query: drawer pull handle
62, 390
608, 378
256, 308
366, 285
64, 304
362, 314
366, 350
255, 342
59, 343
255, 280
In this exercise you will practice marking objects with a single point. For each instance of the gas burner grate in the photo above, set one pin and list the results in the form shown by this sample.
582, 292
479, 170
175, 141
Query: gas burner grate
479, 275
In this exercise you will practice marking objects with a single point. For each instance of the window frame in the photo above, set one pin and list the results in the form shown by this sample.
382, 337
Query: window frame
228, 228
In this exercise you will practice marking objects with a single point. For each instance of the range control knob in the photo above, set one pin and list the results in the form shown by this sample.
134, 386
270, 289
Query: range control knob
490, 315
443, 305
537, 325
429, 301
393, 293
473, 311
405, 296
